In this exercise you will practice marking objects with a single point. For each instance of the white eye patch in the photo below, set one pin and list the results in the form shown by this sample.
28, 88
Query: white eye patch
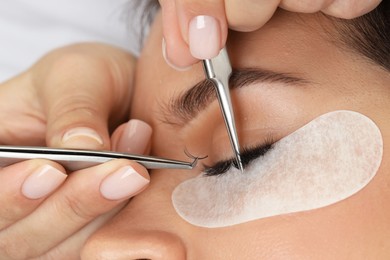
328, 160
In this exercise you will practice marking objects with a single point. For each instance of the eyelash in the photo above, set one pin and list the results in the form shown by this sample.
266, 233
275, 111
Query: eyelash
248, 155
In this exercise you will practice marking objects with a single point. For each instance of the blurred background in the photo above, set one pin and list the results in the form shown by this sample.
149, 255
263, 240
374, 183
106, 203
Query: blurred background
30, 29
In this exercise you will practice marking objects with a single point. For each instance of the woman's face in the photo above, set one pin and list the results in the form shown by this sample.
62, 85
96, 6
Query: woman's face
307, 75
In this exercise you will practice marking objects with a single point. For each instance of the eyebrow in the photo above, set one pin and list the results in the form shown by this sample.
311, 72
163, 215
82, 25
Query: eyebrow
183, 108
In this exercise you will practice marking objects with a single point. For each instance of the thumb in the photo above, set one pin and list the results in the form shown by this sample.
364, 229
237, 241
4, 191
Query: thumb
82, 91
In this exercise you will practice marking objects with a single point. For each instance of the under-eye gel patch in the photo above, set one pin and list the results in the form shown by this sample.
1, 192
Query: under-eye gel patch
329, 159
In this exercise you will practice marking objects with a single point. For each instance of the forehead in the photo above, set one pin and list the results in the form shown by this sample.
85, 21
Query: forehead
287, 42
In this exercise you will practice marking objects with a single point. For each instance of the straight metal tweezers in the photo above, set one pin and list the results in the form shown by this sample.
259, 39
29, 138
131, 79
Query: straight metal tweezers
73, 159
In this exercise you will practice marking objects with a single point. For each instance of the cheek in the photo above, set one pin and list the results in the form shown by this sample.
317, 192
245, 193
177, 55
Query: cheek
322, 163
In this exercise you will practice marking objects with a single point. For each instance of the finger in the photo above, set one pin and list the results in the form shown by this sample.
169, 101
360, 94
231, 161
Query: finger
349, 9
305, 6
21, 122
203, 26
132, 137
249, 15
174, 48
87, 194
199, 28
83, 88
24, 186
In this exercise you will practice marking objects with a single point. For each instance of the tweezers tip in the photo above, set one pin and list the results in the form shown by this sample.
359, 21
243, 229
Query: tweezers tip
195, 162
240, 166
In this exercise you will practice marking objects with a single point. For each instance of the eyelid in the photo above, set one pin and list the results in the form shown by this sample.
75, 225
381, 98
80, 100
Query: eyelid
247, 156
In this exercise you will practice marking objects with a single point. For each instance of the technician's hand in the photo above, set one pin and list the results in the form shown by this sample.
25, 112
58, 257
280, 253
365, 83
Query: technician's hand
195, 29
70, 98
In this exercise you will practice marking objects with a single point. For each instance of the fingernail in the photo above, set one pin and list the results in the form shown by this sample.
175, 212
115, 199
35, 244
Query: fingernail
82, 137
42, 182
122, 184
204, 37
135, 137
168, 61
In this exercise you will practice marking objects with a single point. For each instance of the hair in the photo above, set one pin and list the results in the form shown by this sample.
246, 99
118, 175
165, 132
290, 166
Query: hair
367, 35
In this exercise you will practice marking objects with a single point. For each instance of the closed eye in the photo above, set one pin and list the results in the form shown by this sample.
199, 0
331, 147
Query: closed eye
248, 155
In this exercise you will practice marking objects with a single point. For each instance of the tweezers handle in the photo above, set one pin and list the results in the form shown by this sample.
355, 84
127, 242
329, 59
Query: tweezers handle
218, 70
74, 160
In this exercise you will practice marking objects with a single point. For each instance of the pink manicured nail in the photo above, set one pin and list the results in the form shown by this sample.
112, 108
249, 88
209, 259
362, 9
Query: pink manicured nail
122, 184
82, 137
135, 137
204, 37
168, 61
42, 182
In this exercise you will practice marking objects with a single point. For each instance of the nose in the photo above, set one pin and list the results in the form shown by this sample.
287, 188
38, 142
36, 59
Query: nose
134, 245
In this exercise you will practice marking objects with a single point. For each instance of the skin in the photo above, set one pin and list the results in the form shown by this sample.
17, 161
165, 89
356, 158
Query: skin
356, 228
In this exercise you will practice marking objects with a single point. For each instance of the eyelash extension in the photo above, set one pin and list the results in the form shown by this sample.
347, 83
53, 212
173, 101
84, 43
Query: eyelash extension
195, 158
248, 155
